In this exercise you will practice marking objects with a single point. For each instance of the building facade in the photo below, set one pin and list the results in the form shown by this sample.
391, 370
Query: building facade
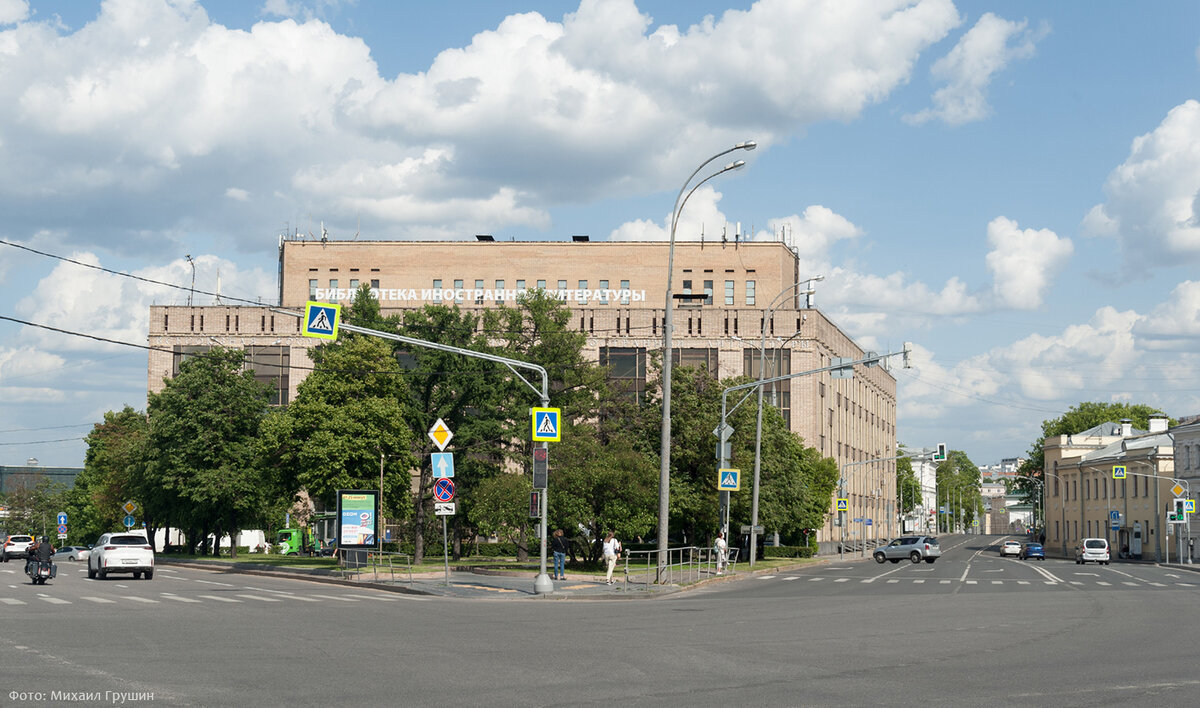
1083, 499
729, 296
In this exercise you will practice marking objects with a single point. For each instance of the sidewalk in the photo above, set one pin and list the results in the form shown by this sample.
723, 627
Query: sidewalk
467, 584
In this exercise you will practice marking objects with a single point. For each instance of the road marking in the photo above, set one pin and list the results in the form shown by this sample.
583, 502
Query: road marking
918, 580
1171, 575
146, 600
55, 600
815, 580
335, 597
11, 601
1185, 585
1076, 582
972, 582
867, 580
792, 577
997, 582
1129, 582
765, 577
213, 582
177, 598
893, 580
218, 598
392, 599
1022, 582
944, 582
841, 580
1158, 585
99, 600
260, 598
1101, 582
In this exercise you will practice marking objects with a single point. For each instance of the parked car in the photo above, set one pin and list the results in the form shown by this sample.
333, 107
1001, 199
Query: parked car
72, 553
16, 546
1010, 548
121, 552
1032, 550
914, 548
1092, 549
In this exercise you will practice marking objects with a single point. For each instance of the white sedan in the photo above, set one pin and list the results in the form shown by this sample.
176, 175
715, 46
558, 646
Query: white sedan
122, 552
72, 553
1010, 548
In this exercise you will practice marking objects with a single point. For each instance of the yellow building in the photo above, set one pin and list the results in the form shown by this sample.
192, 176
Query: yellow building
1083, 499
616, 292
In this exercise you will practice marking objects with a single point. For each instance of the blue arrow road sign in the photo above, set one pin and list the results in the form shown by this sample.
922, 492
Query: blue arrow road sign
443, 464
62, 518
129, 521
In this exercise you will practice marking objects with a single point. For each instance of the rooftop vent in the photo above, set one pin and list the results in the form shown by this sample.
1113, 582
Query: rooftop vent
580, 238
484, 237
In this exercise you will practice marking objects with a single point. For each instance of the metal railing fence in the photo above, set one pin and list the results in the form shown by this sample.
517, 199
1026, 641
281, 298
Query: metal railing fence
374, 565
685, 564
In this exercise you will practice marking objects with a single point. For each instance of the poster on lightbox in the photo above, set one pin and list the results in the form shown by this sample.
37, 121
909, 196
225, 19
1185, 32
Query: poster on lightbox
358, 515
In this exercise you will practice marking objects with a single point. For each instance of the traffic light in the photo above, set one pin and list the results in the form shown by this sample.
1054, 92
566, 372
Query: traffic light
941, 453
1180, 511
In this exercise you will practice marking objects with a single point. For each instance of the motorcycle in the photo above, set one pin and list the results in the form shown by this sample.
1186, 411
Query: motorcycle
41, 571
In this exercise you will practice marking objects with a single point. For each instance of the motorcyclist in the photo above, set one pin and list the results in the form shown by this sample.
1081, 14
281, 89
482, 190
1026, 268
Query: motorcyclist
40, 552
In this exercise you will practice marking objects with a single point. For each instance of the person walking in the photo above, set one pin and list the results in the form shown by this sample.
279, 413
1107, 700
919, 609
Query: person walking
612, 549
721, 546
560, 546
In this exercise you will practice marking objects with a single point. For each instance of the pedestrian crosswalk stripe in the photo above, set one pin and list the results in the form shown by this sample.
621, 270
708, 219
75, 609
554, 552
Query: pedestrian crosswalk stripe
945, 582
765, 577
260, 598
146, 600
792, 577
919, 580
11, 601
218, 598
177, 598
1130, 582
893, 580
811, 580
98, 600
372, 597
1185, 585
841, 580
55, 600
1101, 582
334, 597
972, 582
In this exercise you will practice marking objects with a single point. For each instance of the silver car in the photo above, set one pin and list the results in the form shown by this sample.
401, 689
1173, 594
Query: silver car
914, 548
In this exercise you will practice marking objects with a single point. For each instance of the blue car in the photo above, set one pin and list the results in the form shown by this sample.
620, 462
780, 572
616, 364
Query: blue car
1032, 550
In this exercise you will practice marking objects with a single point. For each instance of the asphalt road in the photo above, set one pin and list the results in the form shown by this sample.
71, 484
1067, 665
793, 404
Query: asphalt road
972, 629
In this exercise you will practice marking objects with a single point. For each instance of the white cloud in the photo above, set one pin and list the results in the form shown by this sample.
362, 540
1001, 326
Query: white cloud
152, 111
1151, 204
75, 298
1175, 323
1022, 261
13, 11
985, 50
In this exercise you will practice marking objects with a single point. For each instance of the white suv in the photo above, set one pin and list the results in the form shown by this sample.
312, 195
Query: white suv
1092, 549
122, 552
16, 546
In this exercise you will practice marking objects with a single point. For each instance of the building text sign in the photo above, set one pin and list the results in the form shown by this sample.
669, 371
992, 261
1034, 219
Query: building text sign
471, 295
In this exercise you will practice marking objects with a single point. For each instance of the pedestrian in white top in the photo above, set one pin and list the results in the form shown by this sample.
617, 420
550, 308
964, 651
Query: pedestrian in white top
722, 549
612, 549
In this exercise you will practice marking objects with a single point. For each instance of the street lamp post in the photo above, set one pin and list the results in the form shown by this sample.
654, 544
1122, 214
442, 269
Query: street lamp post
664, 477
762, 375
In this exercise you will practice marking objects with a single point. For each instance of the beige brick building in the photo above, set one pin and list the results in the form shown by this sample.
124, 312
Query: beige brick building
616, 291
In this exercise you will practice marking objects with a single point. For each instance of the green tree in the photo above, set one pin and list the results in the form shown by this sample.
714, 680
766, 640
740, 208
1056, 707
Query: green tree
908, 487
204, 428
958, 488
347, 413
113, 468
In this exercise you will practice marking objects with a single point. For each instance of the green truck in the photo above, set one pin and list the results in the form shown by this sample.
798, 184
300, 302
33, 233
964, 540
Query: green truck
307, 540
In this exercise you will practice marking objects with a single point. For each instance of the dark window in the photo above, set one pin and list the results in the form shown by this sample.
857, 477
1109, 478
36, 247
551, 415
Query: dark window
706, 358
778, 363
627, 370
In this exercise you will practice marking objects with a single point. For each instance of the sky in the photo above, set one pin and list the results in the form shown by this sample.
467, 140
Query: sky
1011, 186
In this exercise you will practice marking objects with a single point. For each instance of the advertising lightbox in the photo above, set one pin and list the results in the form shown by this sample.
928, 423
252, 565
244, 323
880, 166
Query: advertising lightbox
358, 518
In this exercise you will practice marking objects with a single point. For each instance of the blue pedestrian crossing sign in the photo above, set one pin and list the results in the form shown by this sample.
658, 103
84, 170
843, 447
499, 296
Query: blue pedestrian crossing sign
1118, 471
321, 320
729, 480
843, 504
547, 424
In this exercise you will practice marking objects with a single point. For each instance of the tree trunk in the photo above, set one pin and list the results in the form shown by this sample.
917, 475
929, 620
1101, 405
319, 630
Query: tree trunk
233, 532
456, 550
419, 522
523, 544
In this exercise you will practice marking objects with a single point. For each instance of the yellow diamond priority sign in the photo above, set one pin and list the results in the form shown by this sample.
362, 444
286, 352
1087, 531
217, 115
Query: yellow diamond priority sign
1177, 490
440, 434
129, 507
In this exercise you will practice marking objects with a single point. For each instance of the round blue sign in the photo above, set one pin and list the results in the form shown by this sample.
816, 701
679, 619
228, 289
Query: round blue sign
129, 521
443, 489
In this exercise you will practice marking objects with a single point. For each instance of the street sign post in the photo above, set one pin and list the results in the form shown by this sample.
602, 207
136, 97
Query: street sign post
729, 480
129, 521
1118, 471
321, 320
443, 489
547, 424
442, 464
440, 434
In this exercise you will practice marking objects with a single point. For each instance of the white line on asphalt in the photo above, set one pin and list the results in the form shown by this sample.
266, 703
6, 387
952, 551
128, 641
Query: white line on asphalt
841, 580
218, 598
919, 580
1185, 585
11, 601
392, 599
972, 582
997, 582
1158, 585
1129, 582
177, 598
55, 600
765, 577
1046, 574
815, 580
213, 582
944, 582
260, 598
1101, 582
1022, 582
893, 580
336, 597
99, 600
792, 577
146, 600
1076, 582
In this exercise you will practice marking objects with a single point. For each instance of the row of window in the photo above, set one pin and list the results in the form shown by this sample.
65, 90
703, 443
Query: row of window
1099, 488
271, 365
602, 292
1100, 531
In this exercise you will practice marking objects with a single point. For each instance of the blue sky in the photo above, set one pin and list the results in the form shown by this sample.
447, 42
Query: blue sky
1011, 186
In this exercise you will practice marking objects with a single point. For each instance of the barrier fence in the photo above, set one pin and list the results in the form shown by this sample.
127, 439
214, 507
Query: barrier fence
363, 565
686, 564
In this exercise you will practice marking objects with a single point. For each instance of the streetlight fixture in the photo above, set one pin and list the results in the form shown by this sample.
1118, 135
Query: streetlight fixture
664, 476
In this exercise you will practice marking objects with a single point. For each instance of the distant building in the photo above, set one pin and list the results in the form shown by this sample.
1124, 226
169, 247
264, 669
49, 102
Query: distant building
14, 477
